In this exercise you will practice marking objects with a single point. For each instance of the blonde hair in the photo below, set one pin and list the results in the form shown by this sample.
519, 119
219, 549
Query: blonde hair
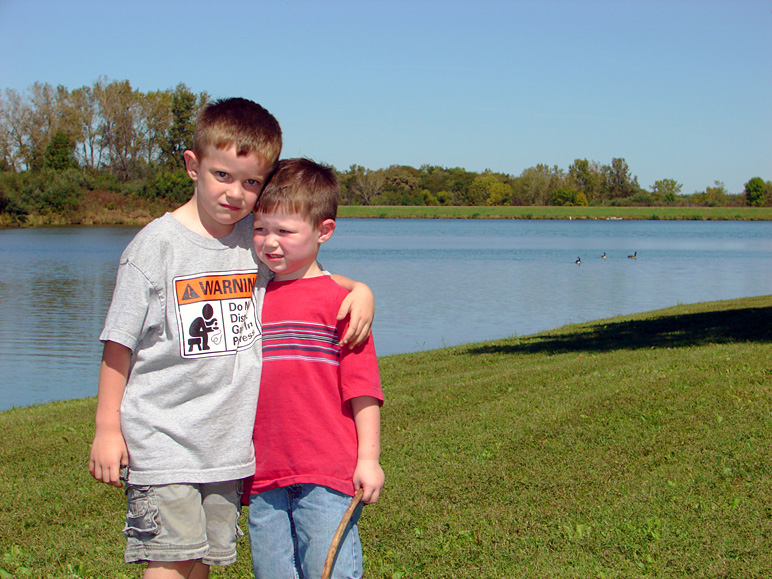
240, 123
304, 187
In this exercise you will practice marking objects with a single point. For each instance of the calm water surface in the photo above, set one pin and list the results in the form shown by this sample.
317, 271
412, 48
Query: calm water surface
437, 283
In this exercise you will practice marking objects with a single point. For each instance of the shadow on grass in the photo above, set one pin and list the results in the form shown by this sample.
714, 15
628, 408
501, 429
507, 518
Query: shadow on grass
721, 327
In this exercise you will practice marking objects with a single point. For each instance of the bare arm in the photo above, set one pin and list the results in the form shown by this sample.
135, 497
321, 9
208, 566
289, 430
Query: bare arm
108, 451
368, 473
359, 305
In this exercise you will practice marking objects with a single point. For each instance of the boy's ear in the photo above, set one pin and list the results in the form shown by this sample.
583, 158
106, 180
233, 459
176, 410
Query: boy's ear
191, 164
326, 230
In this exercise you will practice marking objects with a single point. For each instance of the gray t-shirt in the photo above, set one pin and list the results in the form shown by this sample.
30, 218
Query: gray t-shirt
189, 307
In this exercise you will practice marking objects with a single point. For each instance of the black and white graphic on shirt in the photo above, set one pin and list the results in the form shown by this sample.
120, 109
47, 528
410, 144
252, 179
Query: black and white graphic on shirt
215, 313
201, 327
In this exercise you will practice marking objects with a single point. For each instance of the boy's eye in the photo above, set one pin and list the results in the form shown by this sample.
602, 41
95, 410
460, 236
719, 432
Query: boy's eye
221, 174
253, 185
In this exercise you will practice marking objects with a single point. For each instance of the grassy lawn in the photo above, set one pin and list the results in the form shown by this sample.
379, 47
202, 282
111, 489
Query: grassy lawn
690, 213
636, 446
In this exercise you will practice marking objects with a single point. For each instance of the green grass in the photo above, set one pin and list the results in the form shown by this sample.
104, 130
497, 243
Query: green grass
532, 212
632, 447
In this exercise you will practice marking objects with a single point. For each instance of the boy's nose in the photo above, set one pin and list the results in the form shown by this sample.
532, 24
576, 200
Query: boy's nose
271, 241
235, 192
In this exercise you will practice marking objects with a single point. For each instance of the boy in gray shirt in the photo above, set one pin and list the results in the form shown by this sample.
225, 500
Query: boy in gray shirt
178, 383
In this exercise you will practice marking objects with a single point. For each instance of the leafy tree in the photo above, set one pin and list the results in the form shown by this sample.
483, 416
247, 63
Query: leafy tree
434, 179
154, 119
666, 190
499, 193
486, 189
366, 184
428, 198
479, 191
716, 196
59, 153
400, 186
42, 121
755, 192
587, 177
444, 197
619, 182
179, 136
121, 127
568, 198
535, 184
14, 129
82, 112
175, 186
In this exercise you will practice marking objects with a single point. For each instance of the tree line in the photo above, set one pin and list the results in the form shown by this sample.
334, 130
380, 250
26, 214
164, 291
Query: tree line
56, 145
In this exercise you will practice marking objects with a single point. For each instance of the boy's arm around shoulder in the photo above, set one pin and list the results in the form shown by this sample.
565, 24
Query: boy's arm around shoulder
359, 305
108, 451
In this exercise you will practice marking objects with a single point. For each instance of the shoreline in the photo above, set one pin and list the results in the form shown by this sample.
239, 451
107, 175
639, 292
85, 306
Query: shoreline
142, 216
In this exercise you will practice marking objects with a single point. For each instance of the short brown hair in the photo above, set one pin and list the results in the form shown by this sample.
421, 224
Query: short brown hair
304, 187
241, 123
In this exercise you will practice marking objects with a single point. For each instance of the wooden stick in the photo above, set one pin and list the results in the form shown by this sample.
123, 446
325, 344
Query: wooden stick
339, 533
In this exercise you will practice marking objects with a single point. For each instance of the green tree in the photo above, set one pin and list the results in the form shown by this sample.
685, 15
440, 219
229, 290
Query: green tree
82, 112
619, 183
400, 183
59, 153
365, 184
155, 117
480, 189
755, 192
487, 189
587, 177
666, 190
535, 184
499, 194
43, 120
568, 198
179, 136
25, 130
716, 196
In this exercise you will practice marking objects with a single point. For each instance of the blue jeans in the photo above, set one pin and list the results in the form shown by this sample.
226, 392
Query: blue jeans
291, 528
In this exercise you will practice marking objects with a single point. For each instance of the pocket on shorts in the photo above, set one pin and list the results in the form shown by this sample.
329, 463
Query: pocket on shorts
141, 512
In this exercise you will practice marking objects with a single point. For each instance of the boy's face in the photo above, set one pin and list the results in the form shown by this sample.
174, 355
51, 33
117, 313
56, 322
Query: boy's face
288, 244
227, 186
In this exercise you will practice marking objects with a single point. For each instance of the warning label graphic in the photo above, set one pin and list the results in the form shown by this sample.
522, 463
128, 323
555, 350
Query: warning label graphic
215, 313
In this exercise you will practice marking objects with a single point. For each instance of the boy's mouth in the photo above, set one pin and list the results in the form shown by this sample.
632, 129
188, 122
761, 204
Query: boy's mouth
230, 207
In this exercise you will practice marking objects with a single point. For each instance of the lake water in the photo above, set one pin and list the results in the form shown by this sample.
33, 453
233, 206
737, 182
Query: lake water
437, 283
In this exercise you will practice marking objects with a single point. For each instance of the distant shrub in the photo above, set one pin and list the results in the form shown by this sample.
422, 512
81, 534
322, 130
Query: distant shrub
641, 198
10, 187
103, 181
42, 192
565, 197
175, 186
57, 191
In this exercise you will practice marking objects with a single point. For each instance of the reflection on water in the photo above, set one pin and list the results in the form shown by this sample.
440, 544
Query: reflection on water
55, 287
437, 283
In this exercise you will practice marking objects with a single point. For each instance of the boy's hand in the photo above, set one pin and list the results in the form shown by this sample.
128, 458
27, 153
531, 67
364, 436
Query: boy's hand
369, 476
359, 305
108, 451
108, 454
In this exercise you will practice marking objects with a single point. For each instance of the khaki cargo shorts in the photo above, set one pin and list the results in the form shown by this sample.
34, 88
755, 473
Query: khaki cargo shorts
183, 522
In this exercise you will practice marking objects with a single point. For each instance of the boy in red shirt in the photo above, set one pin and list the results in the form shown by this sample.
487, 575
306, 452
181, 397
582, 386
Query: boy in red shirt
317, 428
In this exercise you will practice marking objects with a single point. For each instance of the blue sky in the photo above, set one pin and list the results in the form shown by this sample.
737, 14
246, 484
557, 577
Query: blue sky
681, 89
